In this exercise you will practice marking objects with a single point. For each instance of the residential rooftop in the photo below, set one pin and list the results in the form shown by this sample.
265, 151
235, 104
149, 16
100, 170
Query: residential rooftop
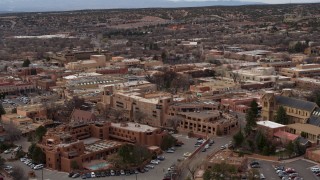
134, 127
270, 124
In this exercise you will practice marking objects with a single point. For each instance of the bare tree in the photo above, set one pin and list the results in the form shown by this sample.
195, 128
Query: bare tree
13, 132
139, 116
174, 122
118, 114
192, 170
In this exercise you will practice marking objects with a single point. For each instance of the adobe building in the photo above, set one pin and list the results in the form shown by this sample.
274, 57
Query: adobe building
79, 115
203, 122
85, 143
95, 61
62, 149
34, 111
269, 128
307, 83
152, 106
298, 111
241, 105
308, 131
301, 70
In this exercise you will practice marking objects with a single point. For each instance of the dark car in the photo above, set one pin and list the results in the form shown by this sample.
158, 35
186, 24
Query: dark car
118, 173
71, 174
88, 175
255, 166
131, 171
204, 150
103, 174
98, 174
76, 175
161, 158
127, 173
83, 176
141, 170
254, 163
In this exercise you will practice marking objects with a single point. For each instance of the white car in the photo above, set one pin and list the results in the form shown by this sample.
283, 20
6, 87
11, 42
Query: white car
112, 173
39, 166
187, 154
93, 175
150, 166
23, 159
315, 169
222, 147
7, 151
155, 162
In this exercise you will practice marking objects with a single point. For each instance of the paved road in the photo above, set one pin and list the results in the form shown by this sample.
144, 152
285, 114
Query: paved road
155, 174
201, 156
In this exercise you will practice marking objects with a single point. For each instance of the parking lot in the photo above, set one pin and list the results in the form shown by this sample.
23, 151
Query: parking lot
156, 173
301, 166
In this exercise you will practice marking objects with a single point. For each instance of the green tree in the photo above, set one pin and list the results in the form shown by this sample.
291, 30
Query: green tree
254, 108
2, 161
238, 138
167, 142
74, 165
261, 141
40, 132
251, 122
290, 148
26, 63
133, 154
281, 116
36, 154
207, 175
2, 111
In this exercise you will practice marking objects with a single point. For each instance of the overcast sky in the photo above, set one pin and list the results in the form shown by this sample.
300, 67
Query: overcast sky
268, 1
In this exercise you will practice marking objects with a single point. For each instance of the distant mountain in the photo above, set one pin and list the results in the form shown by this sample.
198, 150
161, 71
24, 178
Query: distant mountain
64, 5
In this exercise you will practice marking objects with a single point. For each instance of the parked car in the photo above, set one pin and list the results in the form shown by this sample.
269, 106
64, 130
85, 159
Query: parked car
93, 175
206, 146
155, 162
222, 147
315, 169
204, 150
169, 151
76, 175
39, 166
7, 151
122, 172
187, 154
149, 166
161, 158
262, 176
112, 172
83, 176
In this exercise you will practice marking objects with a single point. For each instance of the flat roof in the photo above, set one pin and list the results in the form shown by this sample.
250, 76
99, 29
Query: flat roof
101, 145
270, 124
305, 128
134, 127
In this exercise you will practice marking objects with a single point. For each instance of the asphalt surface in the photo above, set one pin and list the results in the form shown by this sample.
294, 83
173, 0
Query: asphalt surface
300, 165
